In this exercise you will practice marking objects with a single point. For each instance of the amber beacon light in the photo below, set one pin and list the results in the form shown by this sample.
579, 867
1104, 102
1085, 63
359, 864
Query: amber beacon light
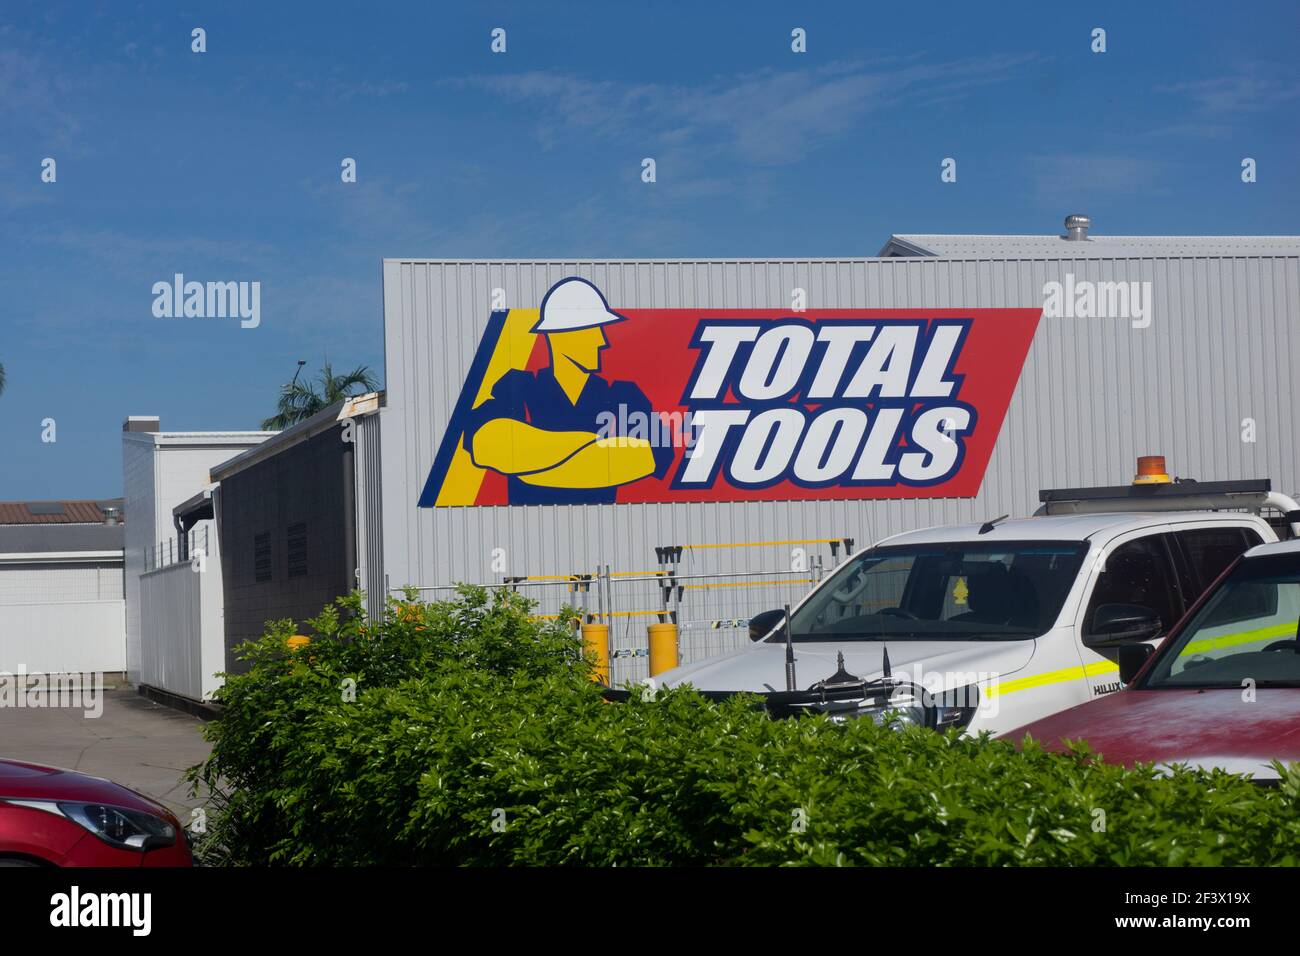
1151, 471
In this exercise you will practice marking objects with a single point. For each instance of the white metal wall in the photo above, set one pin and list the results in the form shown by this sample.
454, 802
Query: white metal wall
78, 636
62, 617
1094, 394
160, 470
60, 583
171, 629
182, 637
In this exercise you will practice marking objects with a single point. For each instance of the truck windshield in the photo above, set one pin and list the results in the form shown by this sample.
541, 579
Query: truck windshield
1246, 630
959, 591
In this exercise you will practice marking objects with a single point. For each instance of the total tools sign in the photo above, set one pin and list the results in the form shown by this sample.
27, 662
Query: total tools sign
576, 403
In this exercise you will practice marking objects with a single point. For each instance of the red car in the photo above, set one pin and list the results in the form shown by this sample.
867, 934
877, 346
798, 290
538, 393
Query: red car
51, 817
1223, 690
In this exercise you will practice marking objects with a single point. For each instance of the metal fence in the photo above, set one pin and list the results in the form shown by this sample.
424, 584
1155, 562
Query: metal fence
711, 608
177, 550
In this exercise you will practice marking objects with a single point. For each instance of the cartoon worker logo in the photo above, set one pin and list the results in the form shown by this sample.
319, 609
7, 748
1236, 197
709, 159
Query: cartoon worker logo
547, 429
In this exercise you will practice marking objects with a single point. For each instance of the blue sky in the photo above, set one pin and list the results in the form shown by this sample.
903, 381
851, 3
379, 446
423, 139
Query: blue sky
225, 165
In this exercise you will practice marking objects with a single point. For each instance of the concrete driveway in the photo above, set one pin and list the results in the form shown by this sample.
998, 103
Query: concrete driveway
134, 742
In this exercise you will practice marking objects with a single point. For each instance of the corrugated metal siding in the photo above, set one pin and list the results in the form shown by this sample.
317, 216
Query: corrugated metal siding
76, 637
62, 617
60, 583
1094, 394
140, 508
171, 626
369, 519
160, 472
182, 641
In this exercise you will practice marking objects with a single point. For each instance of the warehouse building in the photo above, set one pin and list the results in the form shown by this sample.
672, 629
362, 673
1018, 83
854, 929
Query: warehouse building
174, 640
1043, 361
293, 532
699, 440
62, 597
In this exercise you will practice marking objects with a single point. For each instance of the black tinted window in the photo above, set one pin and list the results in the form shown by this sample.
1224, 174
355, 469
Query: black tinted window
1209, 551
1137, 573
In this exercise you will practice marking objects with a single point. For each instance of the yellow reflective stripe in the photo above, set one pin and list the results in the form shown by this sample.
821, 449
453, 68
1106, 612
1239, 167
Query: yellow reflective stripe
1241, 637
1050, 677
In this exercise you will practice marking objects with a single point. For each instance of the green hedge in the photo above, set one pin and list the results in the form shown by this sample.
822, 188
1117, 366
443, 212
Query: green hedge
475, 737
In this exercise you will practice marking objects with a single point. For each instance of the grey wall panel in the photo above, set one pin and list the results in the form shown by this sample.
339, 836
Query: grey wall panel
1093, 395
369, 515
294, 504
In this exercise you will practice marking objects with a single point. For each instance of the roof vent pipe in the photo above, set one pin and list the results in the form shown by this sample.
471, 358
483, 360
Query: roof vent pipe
1076, 227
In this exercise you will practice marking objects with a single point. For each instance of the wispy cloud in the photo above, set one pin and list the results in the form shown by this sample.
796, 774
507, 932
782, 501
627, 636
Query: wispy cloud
345, 89
1082, 177
1215, 106
1244, 92
764, 118
123, 250
31, 90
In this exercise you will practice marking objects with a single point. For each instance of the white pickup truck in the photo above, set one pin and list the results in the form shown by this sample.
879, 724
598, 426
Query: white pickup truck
990, 626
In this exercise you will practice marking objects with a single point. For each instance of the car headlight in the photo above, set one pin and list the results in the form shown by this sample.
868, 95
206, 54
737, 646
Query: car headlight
904, 707
911, 706
128, 829
116, 826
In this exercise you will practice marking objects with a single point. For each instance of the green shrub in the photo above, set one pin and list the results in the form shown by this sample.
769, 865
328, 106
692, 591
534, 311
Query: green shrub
476, 737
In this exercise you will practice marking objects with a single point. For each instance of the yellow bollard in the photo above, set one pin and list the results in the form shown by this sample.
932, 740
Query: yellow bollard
663, 648
595, 641
297, 641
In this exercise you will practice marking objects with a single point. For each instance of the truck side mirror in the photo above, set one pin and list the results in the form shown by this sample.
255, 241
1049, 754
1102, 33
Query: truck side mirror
761, 625
1131, 659
1117, 624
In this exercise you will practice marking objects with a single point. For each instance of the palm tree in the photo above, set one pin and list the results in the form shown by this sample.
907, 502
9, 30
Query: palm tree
299, 401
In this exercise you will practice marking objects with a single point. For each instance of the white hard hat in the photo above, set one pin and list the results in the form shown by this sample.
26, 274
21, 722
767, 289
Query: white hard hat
574, 303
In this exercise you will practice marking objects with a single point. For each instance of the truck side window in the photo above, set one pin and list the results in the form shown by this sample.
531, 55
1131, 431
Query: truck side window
1140, 573
1210, 550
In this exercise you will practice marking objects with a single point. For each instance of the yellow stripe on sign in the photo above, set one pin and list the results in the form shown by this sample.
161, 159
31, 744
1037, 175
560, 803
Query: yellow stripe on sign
1241, 637
1050, 677
464, 478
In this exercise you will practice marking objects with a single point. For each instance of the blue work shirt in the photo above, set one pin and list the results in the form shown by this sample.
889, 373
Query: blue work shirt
538, 399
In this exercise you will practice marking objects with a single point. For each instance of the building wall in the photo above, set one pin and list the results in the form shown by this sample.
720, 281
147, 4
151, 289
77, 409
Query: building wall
369, 512
62, 617
1094, 394
160, 470
182, 625
302, 488
140, 511
35, 583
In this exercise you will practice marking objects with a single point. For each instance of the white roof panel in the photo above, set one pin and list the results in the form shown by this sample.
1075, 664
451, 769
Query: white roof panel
1076, 527
1094, 247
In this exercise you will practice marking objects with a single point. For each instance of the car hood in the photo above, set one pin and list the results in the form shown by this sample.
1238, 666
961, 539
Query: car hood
936, 665
1205, 728
29, 781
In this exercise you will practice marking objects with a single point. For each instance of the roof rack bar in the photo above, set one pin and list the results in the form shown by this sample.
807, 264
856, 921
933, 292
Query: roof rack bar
1181, 489
1253, 495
